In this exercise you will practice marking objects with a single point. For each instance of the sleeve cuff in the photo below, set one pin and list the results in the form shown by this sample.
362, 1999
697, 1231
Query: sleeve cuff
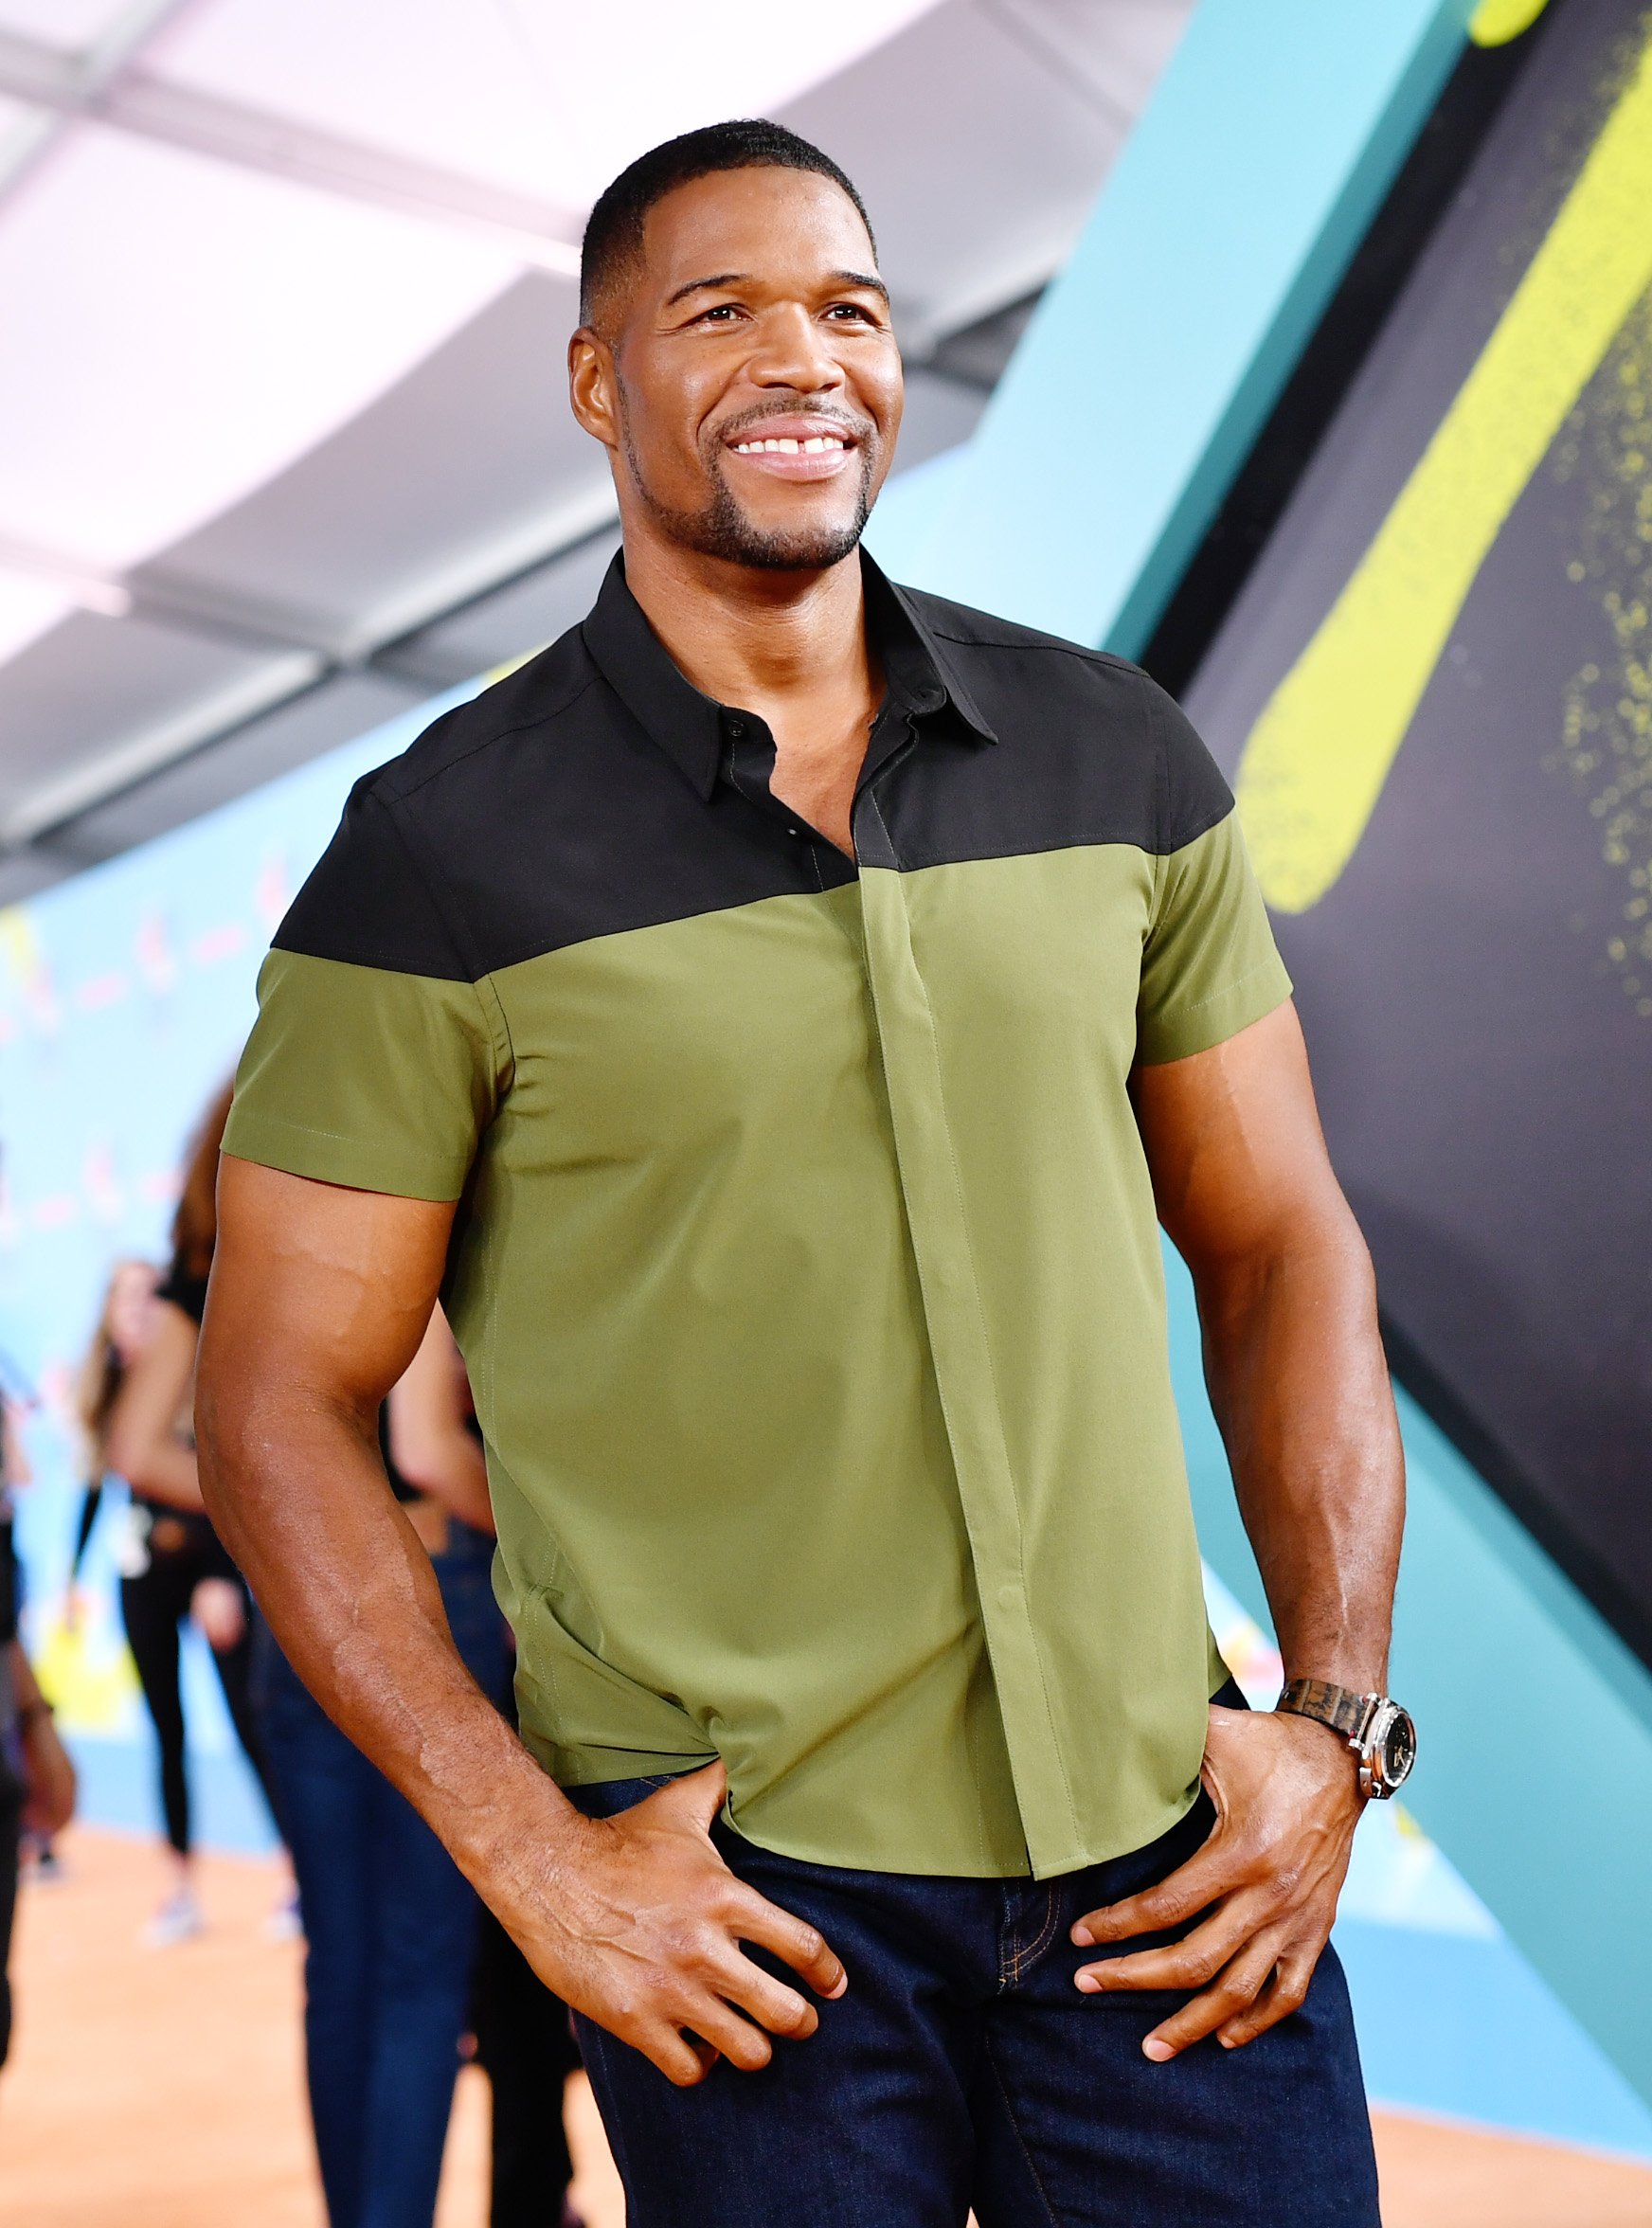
1186, 1030
355, 1163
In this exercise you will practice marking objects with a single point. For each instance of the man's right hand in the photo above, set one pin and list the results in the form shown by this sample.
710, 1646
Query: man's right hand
637, 1922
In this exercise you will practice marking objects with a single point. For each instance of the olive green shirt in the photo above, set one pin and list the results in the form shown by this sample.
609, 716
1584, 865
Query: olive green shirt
805, 1261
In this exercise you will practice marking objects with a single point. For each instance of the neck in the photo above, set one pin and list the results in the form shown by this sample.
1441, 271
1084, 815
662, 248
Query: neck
757, 639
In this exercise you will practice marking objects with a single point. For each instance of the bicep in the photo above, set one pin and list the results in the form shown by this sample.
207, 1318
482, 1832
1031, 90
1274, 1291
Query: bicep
1233, 1143
318, 1288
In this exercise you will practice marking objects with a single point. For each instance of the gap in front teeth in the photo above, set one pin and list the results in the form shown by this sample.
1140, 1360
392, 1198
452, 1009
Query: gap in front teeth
815, 446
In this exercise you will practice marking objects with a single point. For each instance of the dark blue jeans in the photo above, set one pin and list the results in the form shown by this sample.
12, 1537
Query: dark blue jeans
391, 1926
963, 2069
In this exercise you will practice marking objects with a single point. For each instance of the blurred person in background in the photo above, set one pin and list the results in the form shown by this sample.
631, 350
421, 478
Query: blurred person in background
37, 1780
389, 1922
123, 1327
139, 1381
524, 2037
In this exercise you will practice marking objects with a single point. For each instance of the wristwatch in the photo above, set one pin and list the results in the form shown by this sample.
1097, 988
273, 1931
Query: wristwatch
1380, 1734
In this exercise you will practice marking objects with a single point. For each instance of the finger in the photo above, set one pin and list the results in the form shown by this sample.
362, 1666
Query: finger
781, 2009
695, 1798
745, 2047
1234, 1990
1191, 1962
1214, 1870
683, 2064
1286, 1992
754, 1919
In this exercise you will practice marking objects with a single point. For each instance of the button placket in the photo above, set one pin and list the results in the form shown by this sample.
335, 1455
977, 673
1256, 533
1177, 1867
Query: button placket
959, 1345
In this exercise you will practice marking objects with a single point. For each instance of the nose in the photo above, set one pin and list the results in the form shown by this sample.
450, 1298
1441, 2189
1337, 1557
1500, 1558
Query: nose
793, 350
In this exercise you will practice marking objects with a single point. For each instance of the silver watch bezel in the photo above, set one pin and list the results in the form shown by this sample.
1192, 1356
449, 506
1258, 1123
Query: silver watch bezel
1371, 1744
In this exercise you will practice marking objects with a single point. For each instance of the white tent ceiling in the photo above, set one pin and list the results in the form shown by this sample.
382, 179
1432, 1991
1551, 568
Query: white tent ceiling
284, 288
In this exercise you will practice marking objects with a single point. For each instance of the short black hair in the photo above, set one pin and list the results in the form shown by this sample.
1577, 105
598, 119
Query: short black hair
614, 230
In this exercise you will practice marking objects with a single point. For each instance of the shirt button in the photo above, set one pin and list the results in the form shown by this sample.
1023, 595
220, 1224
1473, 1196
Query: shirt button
1009, 1594
737, 728
791, 831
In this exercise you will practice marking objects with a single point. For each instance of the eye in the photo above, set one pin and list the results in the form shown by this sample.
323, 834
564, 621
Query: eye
843, 312
720, 313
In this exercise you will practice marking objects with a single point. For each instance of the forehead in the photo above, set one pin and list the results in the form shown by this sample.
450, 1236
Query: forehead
761, 222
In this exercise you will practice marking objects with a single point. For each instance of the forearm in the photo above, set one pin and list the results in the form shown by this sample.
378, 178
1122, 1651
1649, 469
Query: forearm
1296, 1375
299, 1497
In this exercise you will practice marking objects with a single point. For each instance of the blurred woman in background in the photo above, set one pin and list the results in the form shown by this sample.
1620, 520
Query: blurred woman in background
174, 1565
390, 1922
123, 1327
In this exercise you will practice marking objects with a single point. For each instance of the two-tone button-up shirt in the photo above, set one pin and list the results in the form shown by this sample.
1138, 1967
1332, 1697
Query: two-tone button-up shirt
805, 1261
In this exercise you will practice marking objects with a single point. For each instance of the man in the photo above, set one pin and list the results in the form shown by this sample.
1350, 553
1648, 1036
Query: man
770, 1018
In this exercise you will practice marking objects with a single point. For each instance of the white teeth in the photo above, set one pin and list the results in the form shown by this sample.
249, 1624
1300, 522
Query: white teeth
818, 444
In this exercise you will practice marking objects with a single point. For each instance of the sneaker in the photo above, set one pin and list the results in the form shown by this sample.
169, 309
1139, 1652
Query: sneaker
178, 1919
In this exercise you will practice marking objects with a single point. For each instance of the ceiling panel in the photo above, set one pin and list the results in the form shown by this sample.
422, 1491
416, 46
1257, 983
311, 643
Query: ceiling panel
191, 328
27, 607
477, 436
337, 711
93, 680
545, 98
63, 22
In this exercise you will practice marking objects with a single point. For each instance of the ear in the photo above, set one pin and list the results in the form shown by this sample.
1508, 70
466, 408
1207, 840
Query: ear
592, 386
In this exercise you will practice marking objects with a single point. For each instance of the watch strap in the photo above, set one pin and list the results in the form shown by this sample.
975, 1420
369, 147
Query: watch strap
1339, 1707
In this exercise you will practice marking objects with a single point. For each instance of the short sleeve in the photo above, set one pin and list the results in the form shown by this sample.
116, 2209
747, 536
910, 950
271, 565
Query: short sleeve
376, 1061
1210, 966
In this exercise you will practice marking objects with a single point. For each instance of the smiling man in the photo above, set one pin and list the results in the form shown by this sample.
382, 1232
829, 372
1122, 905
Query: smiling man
771, 1019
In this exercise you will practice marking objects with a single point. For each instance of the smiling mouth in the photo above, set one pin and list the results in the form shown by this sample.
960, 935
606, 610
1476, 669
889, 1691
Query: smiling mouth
798, 445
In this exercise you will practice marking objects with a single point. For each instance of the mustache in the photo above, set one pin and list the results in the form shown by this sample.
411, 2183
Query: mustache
860, 430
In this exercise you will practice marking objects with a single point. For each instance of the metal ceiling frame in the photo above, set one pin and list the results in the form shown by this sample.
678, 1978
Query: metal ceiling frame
106, 88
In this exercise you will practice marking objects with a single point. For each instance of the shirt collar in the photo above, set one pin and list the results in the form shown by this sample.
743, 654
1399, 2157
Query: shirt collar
640, 669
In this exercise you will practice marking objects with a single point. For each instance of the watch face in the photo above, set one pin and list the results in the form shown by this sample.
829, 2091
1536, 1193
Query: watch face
1396, 1747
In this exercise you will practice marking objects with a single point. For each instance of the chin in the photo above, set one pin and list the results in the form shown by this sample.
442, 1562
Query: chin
792, 547
725, 529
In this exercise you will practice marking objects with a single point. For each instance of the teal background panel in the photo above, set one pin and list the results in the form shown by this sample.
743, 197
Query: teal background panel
1153, 358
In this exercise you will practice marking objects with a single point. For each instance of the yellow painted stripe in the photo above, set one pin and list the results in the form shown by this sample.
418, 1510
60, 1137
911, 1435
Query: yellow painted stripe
1494, 22
1315, 763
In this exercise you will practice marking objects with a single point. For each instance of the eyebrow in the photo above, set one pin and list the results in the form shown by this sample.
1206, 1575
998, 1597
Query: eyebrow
859, 279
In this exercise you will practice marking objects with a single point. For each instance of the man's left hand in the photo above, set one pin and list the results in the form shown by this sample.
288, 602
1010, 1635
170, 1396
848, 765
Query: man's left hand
1287, 1800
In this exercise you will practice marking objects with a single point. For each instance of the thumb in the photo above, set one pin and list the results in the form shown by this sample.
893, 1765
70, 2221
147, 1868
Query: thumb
697, 1796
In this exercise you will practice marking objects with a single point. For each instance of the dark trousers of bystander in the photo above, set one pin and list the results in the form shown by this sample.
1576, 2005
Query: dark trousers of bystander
181, 1551
391, 1926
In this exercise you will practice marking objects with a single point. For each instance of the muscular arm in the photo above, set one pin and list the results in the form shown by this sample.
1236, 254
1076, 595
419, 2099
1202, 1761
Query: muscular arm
1293, 1359
1287, 1306
145, 1446
430, 1443
320, 1298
